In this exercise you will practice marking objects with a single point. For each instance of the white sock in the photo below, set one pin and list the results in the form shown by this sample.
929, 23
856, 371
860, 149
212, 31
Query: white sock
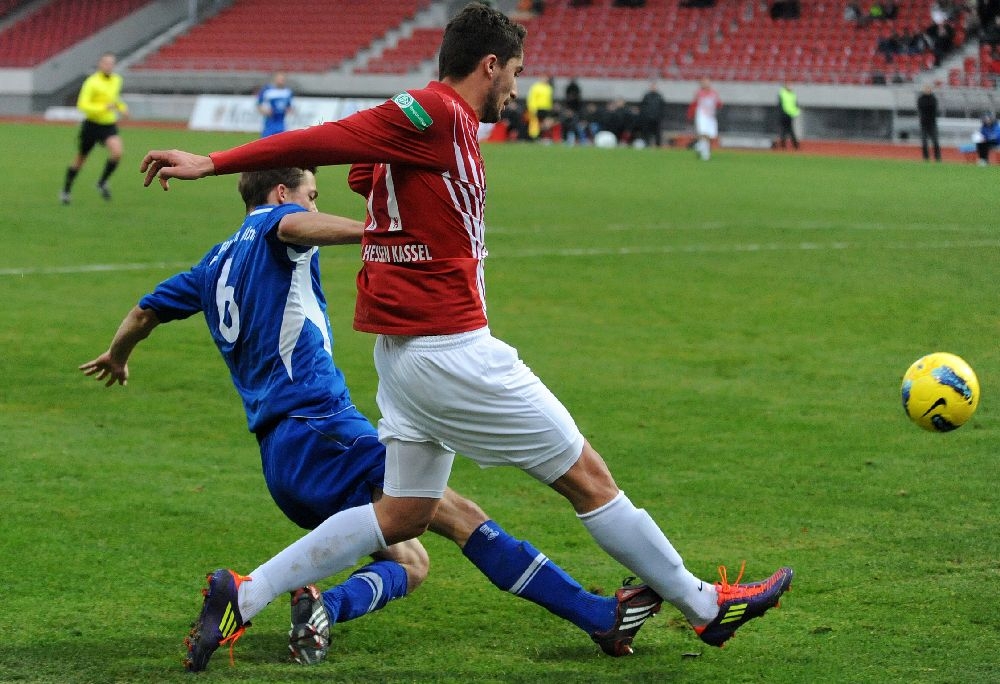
336, 544
631, 537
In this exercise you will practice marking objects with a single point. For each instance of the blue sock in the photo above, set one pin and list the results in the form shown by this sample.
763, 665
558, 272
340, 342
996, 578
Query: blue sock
518, 567
366, 590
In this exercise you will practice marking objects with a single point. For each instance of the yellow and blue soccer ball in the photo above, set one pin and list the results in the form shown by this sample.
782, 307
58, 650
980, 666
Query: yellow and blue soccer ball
940, 392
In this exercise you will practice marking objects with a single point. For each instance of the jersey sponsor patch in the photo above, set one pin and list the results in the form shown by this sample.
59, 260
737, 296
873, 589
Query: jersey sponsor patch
417, 115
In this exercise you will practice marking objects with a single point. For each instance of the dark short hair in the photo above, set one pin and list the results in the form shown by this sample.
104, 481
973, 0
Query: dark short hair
476, 31
255, 186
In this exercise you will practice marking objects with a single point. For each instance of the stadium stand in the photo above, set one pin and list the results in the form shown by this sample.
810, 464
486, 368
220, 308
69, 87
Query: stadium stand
729, 41
55, 26
732, 40
420, 46
613, 52
981, 70
322, 36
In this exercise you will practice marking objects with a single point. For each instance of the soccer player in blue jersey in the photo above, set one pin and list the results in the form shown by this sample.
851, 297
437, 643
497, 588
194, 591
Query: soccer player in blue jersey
274, 101
260, 294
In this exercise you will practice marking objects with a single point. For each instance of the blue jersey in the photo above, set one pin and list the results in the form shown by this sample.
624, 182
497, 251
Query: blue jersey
278, 100
263, 304
990, 131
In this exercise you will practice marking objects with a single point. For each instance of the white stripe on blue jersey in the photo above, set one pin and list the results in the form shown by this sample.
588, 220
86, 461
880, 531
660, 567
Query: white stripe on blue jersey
266, 311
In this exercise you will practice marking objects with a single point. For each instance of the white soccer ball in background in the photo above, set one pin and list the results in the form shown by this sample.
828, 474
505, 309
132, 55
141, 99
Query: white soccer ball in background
605, 139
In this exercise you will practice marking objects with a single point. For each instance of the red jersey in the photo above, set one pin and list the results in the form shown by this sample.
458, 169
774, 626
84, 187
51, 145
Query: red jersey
417, 160
706, 102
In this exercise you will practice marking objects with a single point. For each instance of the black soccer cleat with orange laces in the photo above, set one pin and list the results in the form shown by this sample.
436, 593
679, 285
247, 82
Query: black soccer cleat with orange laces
740, 603
636, 604
219, 622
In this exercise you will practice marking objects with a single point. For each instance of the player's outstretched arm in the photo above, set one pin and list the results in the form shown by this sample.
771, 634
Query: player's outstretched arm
166, 164
112, 365
310, 228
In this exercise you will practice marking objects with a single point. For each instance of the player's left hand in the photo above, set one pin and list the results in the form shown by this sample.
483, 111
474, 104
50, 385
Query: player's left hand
166, 164
104, 367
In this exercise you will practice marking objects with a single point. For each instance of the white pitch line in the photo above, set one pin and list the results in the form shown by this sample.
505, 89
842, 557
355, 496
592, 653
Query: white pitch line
749, 247
788, 225
91, 268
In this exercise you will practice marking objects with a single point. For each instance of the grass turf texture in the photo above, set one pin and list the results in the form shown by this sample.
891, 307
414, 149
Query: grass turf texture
730, 336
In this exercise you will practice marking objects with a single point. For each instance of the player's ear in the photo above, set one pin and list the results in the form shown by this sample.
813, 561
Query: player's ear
490, 65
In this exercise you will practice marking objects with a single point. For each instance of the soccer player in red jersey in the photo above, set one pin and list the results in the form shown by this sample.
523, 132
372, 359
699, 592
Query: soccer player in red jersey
704, 110
446, 385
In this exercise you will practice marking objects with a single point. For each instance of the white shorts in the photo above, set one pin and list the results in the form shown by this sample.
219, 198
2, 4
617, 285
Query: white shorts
469, 393
706, 125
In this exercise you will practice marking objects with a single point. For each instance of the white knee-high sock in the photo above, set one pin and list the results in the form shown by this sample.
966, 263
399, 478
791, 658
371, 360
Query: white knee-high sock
336, 544
631, 537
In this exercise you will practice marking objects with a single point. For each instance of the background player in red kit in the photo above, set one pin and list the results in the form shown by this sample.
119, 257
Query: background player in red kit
704, 110
446, 385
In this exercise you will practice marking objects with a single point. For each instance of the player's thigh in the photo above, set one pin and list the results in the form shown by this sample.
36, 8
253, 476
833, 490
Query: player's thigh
87, 139
115, 146
473, 394
315, 467
416, 470
707, 126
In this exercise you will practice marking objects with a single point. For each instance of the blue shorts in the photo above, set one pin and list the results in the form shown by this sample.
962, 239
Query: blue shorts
315, 467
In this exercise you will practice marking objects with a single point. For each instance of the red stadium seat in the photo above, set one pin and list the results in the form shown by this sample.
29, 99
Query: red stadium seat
820, 44
55, 26
336, 30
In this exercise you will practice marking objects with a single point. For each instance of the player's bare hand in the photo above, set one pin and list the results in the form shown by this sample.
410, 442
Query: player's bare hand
166, 164
104, 368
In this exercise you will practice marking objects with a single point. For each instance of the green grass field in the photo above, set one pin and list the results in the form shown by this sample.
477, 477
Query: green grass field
730, 336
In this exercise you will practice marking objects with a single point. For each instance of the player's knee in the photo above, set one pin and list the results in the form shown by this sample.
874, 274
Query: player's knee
588, 484
404, 518
457, 517
395, 531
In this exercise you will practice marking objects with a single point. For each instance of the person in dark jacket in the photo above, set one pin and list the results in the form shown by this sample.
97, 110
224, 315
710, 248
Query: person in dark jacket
652, 108
927, 111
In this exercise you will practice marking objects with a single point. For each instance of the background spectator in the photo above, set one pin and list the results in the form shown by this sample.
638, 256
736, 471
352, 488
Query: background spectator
652, 109
574, 129
516, 118
788, 111
785, 9
852, 12
987, 137
927, 111
540, 105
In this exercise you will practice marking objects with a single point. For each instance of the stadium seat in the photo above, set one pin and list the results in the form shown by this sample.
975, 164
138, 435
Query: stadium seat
55, 26
694, 40
408, 53
336, 30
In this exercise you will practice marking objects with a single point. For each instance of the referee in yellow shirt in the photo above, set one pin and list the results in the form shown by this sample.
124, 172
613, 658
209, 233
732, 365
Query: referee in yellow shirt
101, 104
